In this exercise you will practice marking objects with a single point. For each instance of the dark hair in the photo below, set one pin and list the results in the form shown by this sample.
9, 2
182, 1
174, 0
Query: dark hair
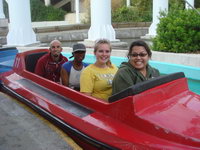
103, 41
140, 43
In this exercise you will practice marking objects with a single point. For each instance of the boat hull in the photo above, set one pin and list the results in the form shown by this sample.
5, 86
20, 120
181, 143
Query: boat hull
134, 121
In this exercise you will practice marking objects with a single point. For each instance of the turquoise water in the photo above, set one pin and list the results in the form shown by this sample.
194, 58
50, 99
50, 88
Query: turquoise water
194, 85
192, 73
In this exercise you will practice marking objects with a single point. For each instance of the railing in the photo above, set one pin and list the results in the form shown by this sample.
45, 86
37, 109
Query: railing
192, 7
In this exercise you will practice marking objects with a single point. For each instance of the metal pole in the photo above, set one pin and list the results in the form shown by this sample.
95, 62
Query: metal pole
191, 5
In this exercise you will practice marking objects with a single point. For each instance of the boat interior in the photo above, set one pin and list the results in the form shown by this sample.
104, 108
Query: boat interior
32, 58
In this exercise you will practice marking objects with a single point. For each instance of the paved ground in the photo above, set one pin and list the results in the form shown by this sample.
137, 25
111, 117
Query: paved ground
23, 129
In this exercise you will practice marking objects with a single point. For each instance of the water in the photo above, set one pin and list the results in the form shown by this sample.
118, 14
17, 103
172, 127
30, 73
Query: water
194, 85
7, 56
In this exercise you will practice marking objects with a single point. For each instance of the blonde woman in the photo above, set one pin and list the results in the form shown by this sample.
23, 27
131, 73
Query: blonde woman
96, 79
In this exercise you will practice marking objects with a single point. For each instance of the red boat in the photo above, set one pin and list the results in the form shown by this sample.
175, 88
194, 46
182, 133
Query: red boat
161, 113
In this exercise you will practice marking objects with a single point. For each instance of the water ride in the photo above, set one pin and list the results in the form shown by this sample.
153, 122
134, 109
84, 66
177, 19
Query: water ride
161, 113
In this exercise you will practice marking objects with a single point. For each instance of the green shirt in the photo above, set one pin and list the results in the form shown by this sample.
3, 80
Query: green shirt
127, 76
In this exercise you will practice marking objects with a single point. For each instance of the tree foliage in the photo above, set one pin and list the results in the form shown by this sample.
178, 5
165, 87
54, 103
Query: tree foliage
39, 12
139, 11
178, 31
130, 14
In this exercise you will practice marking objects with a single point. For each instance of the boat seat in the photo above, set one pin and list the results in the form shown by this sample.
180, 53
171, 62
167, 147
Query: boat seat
143, 86
32, 59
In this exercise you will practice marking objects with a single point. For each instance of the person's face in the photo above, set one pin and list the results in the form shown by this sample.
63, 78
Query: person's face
103, 53
139, 57
79, 56
55, 49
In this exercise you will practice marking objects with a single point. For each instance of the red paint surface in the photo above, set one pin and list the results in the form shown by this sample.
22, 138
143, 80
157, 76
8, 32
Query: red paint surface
165, 117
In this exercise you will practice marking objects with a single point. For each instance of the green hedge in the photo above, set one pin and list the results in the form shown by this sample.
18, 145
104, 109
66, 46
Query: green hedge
131, 14
39, 12
178, 31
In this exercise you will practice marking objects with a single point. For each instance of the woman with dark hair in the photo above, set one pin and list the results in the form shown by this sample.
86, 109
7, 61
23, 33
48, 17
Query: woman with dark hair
96, 79
136, 70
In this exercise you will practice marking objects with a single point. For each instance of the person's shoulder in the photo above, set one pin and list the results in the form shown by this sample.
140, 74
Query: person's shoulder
67, 65
126, 69
125, 66
46, 55
114, 67
63, 57
44, 58
152, 68
155, 71
85, 64
89, 68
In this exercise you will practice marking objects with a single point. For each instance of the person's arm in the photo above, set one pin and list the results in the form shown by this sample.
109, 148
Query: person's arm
39, 69
64, 77
86, 82
88, 94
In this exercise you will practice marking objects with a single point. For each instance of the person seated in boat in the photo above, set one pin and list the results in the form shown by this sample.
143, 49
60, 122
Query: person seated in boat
136, 70
49, 65
96, 79
71, 70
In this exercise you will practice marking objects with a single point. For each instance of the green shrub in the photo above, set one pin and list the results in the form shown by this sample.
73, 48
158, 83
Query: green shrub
131, 14
178, 31
39, 12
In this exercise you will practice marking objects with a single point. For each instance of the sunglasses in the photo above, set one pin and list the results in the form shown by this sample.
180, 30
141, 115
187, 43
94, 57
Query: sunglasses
140, 54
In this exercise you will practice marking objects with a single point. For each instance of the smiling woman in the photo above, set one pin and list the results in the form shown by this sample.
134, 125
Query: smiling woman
96, 79
137, 69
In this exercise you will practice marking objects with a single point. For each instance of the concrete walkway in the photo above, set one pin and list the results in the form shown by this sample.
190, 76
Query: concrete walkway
23, 129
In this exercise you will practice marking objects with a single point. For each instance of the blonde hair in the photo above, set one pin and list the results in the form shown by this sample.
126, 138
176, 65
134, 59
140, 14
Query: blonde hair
100, 42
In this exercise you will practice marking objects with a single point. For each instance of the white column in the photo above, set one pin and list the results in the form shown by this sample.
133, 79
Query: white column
191, 3
20, 28
158, 5
77, 11
73, 6
101, 21
128, 3
47, 2
2, 16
